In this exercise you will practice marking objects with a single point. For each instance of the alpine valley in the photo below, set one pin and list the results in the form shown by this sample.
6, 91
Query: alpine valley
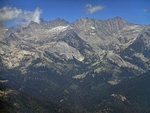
88, 66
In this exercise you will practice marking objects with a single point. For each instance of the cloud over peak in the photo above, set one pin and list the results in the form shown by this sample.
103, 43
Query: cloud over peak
11, 13
92, 9
29, 16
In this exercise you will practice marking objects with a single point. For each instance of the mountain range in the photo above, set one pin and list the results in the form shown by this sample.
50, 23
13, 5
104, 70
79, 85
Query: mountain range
88, 66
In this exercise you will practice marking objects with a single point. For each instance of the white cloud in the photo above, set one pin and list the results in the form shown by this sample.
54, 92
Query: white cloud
88, 5
92, 9
9, 13
29, 16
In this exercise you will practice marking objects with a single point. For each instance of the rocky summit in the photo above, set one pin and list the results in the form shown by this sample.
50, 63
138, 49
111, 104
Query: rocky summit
82, 66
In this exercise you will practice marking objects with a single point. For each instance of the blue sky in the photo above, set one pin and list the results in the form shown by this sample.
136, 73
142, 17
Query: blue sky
135, 11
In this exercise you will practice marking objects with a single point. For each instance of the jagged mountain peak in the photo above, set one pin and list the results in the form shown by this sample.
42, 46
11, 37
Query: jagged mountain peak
117, 20
33, 24
100, 28
58, 19
54, 23
84, 18
32, 27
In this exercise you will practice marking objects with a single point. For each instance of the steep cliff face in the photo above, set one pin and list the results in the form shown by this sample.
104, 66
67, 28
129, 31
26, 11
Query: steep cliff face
113, 34
138, 51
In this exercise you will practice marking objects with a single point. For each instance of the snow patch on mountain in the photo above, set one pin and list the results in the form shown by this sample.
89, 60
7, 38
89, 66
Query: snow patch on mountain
58, 29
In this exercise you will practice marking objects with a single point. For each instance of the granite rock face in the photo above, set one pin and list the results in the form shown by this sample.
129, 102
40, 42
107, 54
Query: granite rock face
107, 40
